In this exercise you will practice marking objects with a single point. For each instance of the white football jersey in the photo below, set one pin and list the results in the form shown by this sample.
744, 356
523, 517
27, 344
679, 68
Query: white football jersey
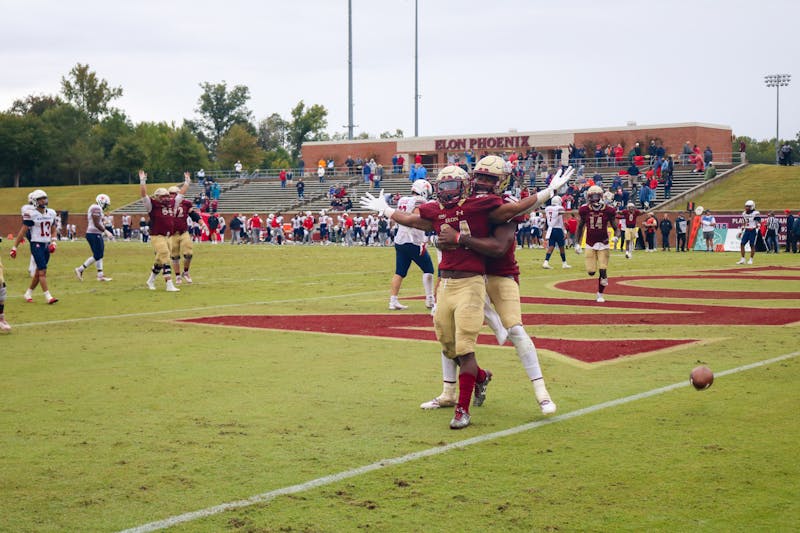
43, 224
94, 210
555, 218
749, 221
405, 234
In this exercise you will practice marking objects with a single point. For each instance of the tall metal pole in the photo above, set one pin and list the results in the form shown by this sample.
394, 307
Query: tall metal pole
350, 69
416, 68
777, 81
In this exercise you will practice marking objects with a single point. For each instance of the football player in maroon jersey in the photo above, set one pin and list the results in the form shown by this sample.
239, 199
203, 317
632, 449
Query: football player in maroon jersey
597, 218
462, 292
180, 242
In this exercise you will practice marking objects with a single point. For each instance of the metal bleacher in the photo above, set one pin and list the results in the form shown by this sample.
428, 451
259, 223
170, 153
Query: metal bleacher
262, 193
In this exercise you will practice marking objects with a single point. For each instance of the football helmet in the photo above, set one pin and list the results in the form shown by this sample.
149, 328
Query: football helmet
422, 188
103, 201
749, 205
631, 205
174, 190
161, 191
555, 200
493, 167
595, 197
30, 199
37, 195
452, 185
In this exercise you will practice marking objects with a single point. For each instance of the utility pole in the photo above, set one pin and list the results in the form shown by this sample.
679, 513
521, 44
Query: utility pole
350, 70
777, 81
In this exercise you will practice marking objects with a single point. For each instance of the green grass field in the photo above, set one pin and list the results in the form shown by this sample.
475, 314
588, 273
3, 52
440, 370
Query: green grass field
115, 415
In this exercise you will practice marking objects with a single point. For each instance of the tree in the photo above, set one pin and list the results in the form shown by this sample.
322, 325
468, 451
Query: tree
35, 105
80, 156
239, 145
85, 91
23, 142
306, 125
398, 134
127, 156
272, 132
219, 110
185, 151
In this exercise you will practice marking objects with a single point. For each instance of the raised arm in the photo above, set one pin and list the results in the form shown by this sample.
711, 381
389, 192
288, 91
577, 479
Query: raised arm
187, 180
508, 211
379, 205
142, 183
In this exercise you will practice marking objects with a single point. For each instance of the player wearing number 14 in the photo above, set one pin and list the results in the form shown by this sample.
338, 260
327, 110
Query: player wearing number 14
40, 221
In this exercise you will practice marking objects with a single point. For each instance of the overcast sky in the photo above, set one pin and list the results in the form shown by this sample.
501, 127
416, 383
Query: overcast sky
484, 66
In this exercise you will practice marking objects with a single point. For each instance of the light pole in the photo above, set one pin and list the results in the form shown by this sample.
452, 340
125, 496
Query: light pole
777, 81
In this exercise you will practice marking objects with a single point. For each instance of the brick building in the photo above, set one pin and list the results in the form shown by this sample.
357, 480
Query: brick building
434, 150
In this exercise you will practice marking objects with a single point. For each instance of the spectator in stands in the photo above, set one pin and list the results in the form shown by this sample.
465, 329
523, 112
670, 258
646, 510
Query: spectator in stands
665, 225
711, 171
215, 191
301, 167
401, 162
394, 164
331, 167
418, 159
633, 172
743, 151
686, 154
321, 174
619, 153
651, 151
708, 155
282, 177
418, 172
201, 176
238, 168
699, 164
349, 163
301, 187
378, 177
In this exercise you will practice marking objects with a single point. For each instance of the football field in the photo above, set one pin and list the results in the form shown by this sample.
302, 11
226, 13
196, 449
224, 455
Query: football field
279, 393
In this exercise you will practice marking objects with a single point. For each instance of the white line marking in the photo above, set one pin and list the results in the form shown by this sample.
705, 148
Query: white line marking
192, 309
383, 463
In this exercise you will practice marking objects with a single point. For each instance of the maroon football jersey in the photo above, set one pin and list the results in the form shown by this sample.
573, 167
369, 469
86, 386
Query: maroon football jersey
161, 217
180, 225
470, 217
630, 217
505, 265
596, 223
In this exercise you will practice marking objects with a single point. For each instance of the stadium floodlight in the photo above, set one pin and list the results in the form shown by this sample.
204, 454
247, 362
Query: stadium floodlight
777, 81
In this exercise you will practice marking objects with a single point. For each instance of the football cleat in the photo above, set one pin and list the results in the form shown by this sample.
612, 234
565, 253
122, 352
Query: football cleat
480, 389
750, 261
627, 254
547, 407
429, 300
740, 261
439, 401
397, 306
171, 287
546, 264
186, 277
566, 265
177, 280
52, 300
4, 326
151, 285
600, 298
79, 273
460, 419
29, 297
103, 278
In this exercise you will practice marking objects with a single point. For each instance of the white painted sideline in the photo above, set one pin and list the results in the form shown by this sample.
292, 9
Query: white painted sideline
383, 463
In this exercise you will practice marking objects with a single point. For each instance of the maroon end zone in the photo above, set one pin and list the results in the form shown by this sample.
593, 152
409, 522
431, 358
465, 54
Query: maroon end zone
419, 326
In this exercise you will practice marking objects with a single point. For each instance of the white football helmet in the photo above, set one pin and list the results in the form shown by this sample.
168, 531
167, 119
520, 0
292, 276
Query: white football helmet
174, 190
631, 205
423, 188
595, 197
103, 200
452, 185
161, 191
37, 195
555, 200
749, 205
30, 199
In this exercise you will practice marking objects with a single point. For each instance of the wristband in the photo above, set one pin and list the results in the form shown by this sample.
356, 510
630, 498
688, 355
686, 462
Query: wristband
388, 212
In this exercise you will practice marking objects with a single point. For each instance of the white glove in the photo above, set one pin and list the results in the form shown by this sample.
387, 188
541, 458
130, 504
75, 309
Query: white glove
378, 204
109, 235
560, 179
578, 248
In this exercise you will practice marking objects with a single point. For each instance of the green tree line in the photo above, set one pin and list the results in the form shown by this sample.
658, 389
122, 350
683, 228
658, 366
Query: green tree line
79, 137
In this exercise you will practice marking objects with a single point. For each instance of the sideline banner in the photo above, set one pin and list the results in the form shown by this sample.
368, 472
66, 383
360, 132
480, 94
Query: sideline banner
727, 229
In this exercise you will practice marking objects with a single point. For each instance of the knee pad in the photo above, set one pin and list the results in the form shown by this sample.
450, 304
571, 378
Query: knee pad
3, 294
590, 273
188, 257
166, 269
520, 338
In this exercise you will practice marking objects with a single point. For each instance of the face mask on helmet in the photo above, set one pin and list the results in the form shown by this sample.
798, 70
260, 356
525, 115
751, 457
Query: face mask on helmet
103, 200
595, 197
422, 188
749, 205
489, 175
452, 185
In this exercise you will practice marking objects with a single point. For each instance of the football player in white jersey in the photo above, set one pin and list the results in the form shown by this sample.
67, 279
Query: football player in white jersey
5, 327
750, 224
409, 245
554, 215
94, 236
41, 221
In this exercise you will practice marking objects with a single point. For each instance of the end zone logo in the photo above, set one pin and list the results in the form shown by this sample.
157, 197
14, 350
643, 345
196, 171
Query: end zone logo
420, 327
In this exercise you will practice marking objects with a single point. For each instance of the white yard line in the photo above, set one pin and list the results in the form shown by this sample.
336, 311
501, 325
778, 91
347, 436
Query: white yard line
383, 463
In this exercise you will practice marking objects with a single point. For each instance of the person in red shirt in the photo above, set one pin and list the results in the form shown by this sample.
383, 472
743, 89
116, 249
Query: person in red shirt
597, 218
572, 228
418, 159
